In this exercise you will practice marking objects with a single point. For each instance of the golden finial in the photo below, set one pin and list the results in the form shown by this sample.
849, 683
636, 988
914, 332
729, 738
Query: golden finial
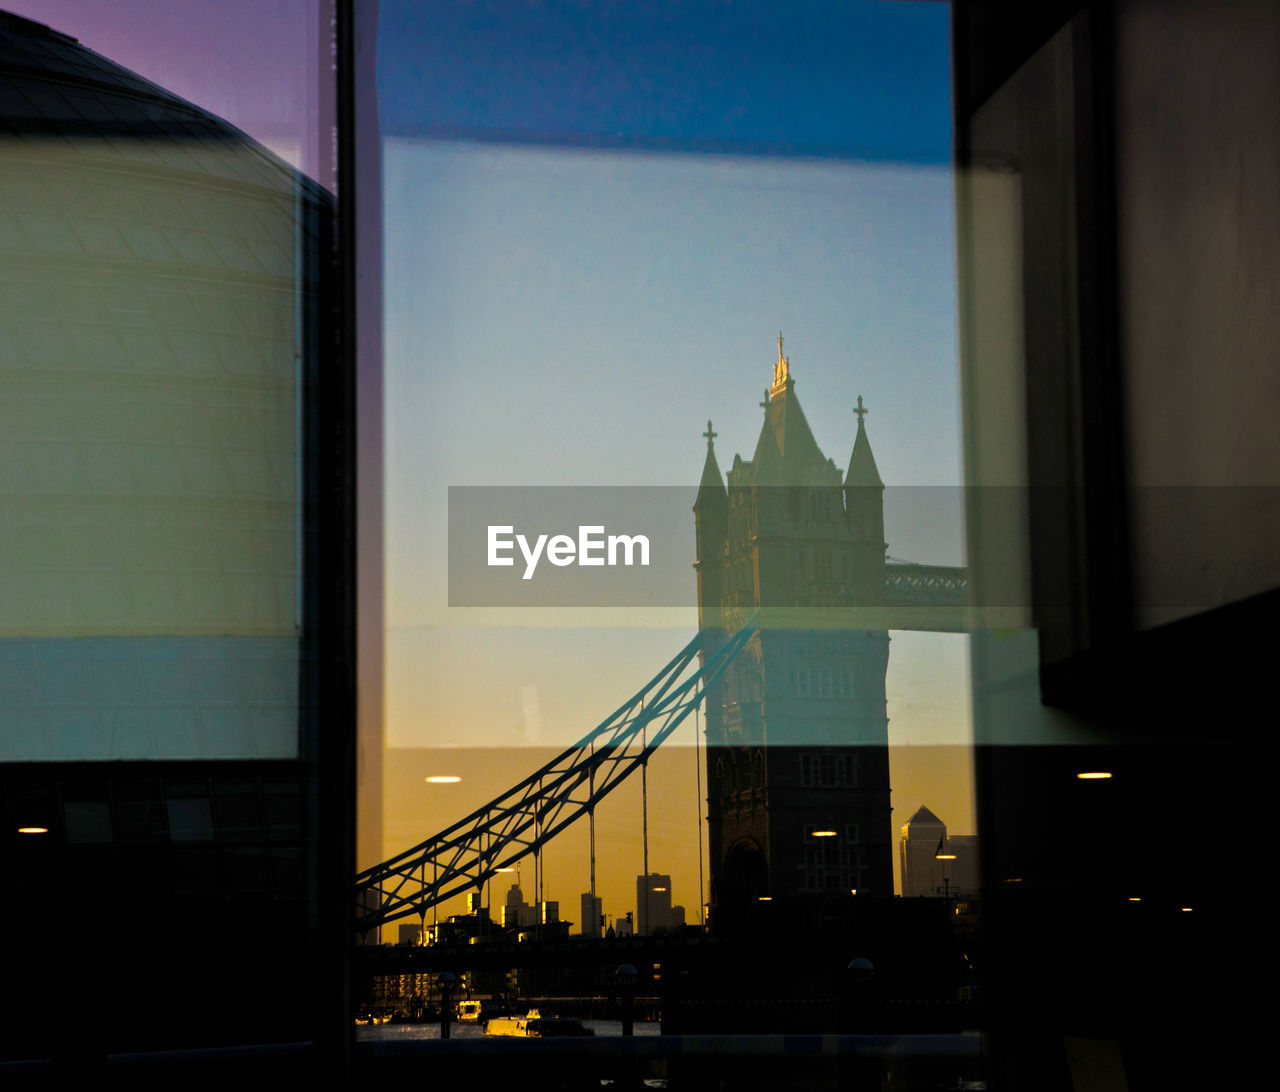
781, 370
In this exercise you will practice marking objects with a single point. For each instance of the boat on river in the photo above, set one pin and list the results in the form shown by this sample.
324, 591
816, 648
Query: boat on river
533, 1025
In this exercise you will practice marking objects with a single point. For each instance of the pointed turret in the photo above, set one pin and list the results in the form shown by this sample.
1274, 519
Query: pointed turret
862, 464
864, 513
711, 490
711, 527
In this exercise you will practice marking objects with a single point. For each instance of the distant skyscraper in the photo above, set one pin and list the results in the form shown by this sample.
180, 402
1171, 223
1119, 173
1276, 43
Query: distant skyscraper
653, 905
516, 913
924, 836
592, 910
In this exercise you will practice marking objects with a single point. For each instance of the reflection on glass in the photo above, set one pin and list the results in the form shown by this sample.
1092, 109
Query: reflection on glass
575, 281
159, 270
167, 333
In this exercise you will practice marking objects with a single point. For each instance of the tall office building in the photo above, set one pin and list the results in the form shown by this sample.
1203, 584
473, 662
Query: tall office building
923, 838
653, 905
516, 913
591, 913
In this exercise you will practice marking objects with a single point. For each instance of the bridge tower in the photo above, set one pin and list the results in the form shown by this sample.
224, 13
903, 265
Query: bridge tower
797, 732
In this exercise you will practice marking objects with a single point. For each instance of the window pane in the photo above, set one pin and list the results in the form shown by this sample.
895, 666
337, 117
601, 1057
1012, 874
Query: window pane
588, 250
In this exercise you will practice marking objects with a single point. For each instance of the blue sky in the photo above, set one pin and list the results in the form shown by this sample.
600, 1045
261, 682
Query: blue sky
838, 78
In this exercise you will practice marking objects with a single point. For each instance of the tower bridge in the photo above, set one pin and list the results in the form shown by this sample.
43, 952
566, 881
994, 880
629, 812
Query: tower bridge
796, 598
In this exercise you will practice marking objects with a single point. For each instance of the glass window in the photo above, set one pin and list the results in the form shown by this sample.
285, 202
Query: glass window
587, 250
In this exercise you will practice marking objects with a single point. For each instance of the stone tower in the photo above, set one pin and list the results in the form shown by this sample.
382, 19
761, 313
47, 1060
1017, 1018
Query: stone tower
798, 768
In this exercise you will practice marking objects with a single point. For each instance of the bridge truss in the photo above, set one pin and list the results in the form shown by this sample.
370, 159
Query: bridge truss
465, 856
909, 584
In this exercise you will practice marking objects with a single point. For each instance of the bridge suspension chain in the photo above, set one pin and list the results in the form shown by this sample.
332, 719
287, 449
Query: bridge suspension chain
466, 855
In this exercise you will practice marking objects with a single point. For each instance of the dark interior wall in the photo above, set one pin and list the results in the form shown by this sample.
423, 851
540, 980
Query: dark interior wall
1198, 264
1117, 217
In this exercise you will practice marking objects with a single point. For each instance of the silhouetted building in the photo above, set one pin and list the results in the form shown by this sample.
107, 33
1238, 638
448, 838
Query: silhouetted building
516, 913
591, 914
798, 766
934, 862
653, 905
923, 838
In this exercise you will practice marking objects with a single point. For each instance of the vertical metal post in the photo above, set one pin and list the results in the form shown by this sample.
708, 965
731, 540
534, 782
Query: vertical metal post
537, 858
644, 820
591, 827
697, 774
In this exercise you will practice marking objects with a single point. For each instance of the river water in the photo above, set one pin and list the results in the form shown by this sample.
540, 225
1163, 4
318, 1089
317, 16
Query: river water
398, 1032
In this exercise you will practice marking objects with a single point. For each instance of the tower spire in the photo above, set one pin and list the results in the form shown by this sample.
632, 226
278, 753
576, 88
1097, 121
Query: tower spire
781, 372
711, 490
862, 464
